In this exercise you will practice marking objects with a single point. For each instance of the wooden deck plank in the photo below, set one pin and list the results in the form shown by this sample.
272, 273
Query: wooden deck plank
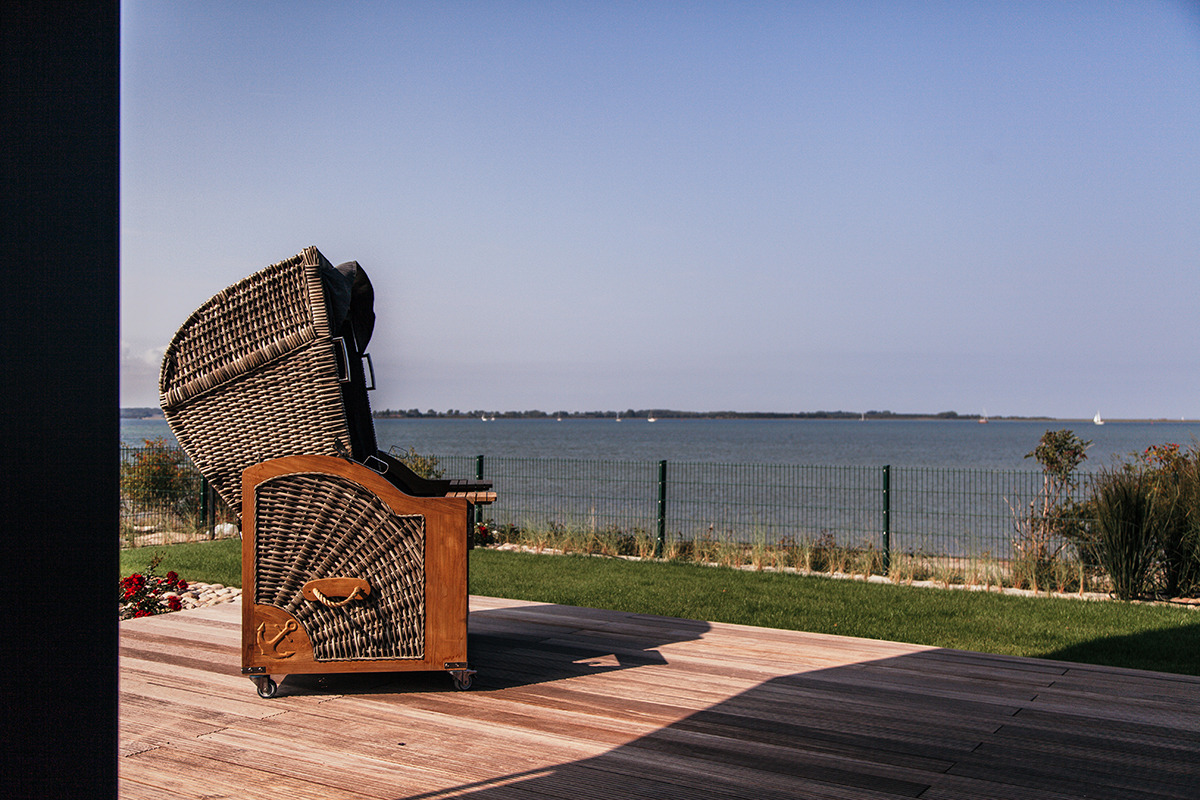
407, 739
140, 791
950, 732
1177, 749
1102, 781
581, 703
332, 765
172, 669
176, 773
766, 713
1153, 727
1150, 696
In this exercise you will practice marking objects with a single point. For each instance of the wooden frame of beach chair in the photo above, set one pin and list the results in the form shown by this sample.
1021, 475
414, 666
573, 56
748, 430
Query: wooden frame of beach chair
342, 572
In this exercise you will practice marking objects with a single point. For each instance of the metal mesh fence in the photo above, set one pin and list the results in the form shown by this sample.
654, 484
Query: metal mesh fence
900, 510
771, 503
957, 513
164, 499
591, 496
908, 510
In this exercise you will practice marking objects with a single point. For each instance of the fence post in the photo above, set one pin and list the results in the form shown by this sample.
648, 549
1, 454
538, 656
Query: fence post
887, 518
660, 542
478, 477
205, 507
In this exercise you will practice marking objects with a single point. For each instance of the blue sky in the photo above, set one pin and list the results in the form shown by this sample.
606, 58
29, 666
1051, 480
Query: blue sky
701, 206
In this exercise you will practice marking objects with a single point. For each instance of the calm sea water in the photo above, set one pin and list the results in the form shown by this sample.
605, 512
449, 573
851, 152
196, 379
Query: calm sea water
1001, 444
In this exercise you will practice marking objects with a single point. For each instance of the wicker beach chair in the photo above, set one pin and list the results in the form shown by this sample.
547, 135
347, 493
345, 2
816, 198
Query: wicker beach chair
274, 366
350, 562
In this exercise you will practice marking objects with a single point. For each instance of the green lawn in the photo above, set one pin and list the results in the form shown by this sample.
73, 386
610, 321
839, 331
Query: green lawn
1166, 639
1160, 638
203, 562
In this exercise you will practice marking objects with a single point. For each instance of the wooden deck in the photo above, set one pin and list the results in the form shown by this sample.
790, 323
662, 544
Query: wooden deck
596, 705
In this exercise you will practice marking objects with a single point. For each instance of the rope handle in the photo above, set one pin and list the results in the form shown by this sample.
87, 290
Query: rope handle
323, 589
339, 603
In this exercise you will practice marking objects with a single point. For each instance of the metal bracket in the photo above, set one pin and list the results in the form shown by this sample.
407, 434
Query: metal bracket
254, 670
370, 370
343, 366
462, 678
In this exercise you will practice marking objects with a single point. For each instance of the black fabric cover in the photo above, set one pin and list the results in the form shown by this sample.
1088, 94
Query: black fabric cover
350, 300
349, 294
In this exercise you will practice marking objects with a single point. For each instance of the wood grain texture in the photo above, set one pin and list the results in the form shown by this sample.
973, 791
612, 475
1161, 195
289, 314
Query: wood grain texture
579, 703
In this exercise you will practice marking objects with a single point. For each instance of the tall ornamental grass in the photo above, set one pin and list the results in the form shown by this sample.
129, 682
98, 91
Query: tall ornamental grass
1128, 518
1145, 523
1177, 486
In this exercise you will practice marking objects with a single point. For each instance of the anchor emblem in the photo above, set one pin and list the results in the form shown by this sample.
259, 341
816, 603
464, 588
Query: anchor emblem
273, 642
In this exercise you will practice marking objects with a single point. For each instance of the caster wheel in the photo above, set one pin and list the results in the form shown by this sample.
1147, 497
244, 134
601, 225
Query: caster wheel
266, 688
462, 681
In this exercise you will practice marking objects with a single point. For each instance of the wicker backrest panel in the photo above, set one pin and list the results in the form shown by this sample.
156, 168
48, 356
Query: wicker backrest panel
244, 326
309, 526
252, 375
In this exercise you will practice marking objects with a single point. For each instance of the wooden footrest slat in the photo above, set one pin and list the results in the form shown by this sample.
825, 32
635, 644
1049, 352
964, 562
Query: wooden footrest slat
479, 498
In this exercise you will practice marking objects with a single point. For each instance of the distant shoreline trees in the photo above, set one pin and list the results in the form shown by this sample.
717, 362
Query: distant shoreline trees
664, 413
140, 413
645, 413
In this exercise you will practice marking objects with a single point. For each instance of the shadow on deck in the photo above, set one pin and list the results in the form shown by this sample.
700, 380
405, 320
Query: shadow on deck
578, 703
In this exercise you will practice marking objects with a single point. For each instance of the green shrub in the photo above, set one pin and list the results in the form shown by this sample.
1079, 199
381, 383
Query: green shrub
1189, 547
159, 475
1053, 519
425, 466
1128, 516
1174, 479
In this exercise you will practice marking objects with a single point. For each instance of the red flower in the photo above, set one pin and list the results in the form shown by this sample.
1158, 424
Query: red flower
142, 593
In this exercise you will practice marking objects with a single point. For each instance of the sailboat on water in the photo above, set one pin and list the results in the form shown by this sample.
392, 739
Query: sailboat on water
1096, 419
